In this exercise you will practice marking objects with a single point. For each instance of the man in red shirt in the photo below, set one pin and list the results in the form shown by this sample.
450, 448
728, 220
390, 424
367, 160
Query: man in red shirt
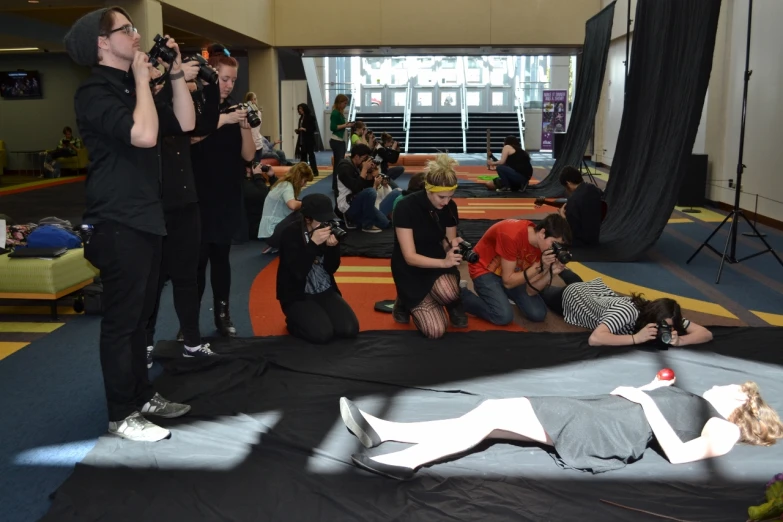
515, 263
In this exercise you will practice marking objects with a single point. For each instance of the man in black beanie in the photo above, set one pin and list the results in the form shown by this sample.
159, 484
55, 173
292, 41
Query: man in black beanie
123, 223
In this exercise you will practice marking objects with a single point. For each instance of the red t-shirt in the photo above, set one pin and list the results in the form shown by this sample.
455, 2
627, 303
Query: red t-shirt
508, 240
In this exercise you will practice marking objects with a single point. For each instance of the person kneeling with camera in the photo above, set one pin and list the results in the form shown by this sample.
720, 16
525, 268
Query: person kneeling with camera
309, 256
427, 253
516, 260
358, 181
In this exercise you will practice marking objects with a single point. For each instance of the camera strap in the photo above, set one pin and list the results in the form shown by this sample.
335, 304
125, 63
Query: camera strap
527, 280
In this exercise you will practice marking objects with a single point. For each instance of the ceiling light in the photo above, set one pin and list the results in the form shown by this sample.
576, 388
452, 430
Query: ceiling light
18, 49
32, 1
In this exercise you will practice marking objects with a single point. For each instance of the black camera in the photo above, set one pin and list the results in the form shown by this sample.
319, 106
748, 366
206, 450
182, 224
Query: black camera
264, 168
334, 226
561, 253
465, 249
252, 113
159, 50
205, 72
665, 332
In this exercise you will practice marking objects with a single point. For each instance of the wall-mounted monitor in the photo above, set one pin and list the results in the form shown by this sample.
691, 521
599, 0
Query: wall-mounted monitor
15, 85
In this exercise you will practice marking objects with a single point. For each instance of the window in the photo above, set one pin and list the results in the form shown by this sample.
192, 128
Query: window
498, 99
448, 98
424, 99
474, 99
399, 99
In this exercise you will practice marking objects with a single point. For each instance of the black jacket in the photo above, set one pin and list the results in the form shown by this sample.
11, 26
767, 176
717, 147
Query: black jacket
296, 259
387, 156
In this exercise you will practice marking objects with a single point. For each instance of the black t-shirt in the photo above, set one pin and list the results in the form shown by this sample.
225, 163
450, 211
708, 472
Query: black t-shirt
429, 226
520, 162
123, 181
584, 214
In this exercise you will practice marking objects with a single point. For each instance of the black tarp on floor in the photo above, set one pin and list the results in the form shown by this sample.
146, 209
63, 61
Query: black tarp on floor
479, 190
264, 441
380, 245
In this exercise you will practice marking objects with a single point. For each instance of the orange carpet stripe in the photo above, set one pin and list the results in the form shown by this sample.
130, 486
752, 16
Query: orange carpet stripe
267, 318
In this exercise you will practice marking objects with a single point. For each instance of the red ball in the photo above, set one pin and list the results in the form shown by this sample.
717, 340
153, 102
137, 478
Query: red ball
667, 374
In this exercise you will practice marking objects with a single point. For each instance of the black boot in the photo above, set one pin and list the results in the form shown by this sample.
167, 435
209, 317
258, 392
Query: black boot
223, 320
400, 314
457, 315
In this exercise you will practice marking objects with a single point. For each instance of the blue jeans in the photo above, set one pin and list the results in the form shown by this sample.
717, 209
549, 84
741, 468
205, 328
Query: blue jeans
362, 210
511, 179
387, 205
491, 303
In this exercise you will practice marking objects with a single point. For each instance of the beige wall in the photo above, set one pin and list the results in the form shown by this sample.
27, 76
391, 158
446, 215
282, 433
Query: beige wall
147, 17
252, 18
38, 124
302, 23
265, 82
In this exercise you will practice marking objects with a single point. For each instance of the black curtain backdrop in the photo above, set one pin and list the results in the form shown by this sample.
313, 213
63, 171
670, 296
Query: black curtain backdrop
671, 61
598, 37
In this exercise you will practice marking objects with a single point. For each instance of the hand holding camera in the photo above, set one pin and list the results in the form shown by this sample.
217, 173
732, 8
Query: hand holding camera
142, 68
320, 235
453, 258
647, 333
333, 228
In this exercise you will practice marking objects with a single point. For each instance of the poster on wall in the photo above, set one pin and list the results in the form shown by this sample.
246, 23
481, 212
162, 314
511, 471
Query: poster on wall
553, 116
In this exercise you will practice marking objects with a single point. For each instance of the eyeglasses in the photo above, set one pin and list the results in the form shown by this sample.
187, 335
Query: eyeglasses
128, 29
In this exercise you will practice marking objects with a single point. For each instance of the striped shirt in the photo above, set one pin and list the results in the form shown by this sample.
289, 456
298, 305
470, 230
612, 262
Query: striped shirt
592, 303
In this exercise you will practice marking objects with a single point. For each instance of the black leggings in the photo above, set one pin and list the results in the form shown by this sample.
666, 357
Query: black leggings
553, 296
321, 318
217, 256
338, 150
308, 154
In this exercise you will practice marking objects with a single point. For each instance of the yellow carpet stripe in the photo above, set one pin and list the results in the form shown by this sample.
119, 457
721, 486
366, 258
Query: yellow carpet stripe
35, 310
365, 280
343, 269
626, 288
705, 215
472, 211
773, 319
674, 221
7, 349
28, 184
11, 327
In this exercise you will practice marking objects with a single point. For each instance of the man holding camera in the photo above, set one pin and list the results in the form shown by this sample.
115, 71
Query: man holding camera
584, 208
123, 223
517, 260
182, 243
357, 182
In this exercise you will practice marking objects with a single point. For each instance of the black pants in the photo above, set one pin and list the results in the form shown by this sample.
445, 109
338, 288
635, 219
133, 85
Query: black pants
308, 153
338, 150
217, 257
129, 261
320, 318
179, 263
61, 153
553, 296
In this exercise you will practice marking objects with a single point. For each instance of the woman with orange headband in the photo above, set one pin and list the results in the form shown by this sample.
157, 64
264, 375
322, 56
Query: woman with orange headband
426, 254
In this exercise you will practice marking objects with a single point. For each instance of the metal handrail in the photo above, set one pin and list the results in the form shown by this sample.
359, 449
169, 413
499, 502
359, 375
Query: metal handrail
464, 107
406, 121
351, 117
520, 103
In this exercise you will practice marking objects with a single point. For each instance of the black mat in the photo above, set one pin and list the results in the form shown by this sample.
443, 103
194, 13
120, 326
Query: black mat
381, 245
264, 441
479, 190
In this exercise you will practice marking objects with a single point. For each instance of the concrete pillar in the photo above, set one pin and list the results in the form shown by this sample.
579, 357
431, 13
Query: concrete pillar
147, 16
559, 72
265, 82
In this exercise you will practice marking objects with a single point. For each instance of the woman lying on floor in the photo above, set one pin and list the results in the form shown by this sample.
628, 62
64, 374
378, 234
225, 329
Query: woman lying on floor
620, 321
597, 433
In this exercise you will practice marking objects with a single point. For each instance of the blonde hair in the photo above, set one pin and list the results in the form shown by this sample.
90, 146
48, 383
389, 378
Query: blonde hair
338, 100
759, 424
295, 176
440, 171
249, 96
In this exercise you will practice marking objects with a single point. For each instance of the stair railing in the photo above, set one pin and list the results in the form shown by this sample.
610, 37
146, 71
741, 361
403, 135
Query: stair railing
520, 106
406, 120
464, 106
351, 116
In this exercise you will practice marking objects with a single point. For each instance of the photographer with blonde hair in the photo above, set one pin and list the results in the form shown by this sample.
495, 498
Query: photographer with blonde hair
283, 199
427, 253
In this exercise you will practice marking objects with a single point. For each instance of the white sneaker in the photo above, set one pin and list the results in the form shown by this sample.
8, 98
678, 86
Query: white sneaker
463, 283
373, 230
149, 357
136, 428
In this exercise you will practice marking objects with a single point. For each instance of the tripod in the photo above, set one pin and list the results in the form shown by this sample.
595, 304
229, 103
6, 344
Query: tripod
730, 250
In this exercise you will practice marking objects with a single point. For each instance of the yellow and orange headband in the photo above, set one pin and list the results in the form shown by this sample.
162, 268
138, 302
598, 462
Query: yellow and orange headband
437, 188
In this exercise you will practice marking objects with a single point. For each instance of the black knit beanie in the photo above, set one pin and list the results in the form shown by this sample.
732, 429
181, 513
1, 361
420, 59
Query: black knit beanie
81, 41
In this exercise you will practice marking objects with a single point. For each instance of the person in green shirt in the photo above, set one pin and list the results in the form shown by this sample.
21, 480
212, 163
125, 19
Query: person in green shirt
337, 126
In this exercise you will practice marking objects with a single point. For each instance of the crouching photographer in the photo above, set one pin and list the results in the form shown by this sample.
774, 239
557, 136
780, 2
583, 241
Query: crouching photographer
517, 259
309, 256
427, 254
623, 321
357, 182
